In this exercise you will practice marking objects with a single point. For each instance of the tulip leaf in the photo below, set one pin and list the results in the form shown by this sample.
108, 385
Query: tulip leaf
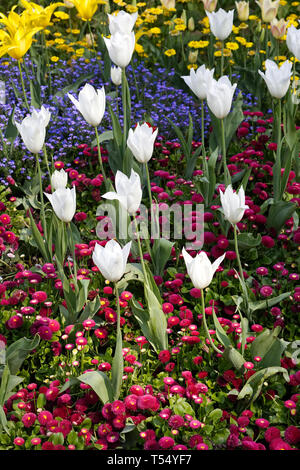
104, 137
3, 420
157, 320
234, 356
279, 213
17, 352
220, 332
11, 131
100, 383
83, 285
268, 347
161, 252
247, 240
254, 384
39, 239
35, 93
74, 86
268, 303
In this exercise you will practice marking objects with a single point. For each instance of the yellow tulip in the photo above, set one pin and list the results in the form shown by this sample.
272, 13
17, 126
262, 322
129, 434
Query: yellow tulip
86, 8
39, 16
269, 9
17, 38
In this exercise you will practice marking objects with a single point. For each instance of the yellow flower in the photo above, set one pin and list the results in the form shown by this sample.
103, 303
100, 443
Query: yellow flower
154, 31
131, 8
40, 17
233, 46
180, 27
249, 44
192, 66
241, 40
54, 58
61, 15
18, 36
198, 44
86, 8
170, 52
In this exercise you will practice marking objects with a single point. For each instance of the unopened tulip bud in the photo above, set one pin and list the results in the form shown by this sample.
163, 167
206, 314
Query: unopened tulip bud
242, 10
111, 260
59, 179
183, 17
210, 5
193, 56
90, 39
277, 78
221, 23
68, 4
168, 4
116, 75
269, 9
191, 24
278, 28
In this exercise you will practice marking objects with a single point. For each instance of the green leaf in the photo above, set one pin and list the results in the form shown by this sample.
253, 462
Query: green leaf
279, 213
3, 420
263, 304
247, 240
100, 384
104, 137
221, 333
39, 239
157, 320
161, 252
11, 131
269, 347
234, 356
254, 384
74, 87
17, 352
215, 415
35, 93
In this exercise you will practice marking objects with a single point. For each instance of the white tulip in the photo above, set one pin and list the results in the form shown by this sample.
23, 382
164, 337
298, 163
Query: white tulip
200, 269
269, 9
277, 78
221, 23
233, 204
293, 41
128, 191
220, 96
63, 202
199, 81
120, 48
91, 104
111, 260
122, 22
141, 142
33, 129
116, 75
59, 179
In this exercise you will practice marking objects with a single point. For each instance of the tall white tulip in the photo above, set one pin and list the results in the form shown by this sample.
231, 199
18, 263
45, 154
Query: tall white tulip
277, 78
116, 75
293, 41
33, 129
200, 269
221, 23
111, 260
269, 9
199, 81
141, 142
63, 202
233, 204
122, 22
128, 191
120, 48
220, 96
91, 104
59, 179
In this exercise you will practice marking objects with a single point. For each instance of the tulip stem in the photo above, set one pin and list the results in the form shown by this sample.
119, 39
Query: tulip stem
46, 161
117, 364
100, 158
73, 253
140, 247
44, 225
237, 253
205, 324
202, 138
222, 57
226, 171
92, 40
124, 106
23, 86
153, 216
